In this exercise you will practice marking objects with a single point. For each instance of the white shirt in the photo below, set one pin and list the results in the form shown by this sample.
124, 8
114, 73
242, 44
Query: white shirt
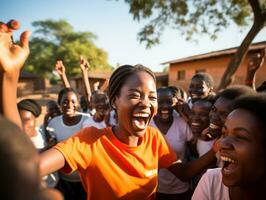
204, 146
178, 134
38, 139
90, 122
211, 187
63, 132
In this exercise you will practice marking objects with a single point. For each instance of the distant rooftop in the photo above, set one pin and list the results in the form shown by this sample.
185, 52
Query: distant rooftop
253, 47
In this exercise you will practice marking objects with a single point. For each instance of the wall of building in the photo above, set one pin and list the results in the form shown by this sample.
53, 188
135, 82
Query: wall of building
214, 66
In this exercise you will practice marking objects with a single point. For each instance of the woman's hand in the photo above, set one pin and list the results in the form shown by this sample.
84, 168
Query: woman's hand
84, 64
60, 68
12, 56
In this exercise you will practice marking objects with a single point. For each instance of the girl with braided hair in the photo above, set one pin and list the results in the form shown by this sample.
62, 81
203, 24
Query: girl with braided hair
118, 162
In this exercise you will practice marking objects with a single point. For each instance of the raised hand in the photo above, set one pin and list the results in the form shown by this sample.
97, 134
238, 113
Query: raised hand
96, 85
60, 68
84, 64
12, 56
256, 61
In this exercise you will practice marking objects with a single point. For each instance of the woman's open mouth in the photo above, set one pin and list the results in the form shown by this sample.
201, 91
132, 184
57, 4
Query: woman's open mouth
229, 165
164, 114
140, 120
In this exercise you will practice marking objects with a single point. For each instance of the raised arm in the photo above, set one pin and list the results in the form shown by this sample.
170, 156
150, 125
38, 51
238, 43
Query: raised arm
84, 66
12, 58
104, 86
255, 62
61, 70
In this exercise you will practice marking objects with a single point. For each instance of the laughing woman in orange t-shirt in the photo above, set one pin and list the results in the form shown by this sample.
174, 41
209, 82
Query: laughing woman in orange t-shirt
119, 162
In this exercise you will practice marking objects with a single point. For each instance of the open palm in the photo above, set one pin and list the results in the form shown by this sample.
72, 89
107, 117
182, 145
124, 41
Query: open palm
13, 56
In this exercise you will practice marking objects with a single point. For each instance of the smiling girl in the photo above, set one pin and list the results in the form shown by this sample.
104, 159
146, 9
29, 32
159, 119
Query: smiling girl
243, 152
118, 162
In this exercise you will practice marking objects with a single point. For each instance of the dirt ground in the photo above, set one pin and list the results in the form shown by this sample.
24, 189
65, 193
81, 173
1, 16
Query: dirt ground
42, 100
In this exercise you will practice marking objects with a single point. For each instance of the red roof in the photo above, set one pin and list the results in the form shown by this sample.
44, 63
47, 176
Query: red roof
253, 47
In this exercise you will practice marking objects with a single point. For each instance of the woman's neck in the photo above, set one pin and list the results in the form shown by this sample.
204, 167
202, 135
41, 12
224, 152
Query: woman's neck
73, 120
129, 140
163, 126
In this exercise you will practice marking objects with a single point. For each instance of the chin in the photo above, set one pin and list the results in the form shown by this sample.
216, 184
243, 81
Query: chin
140, 133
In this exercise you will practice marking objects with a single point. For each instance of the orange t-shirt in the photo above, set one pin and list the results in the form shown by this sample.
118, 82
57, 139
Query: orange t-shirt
112, 170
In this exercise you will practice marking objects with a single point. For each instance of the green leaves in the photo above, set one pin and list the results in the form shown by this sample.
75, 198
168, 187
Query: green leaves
188, 17
54, 40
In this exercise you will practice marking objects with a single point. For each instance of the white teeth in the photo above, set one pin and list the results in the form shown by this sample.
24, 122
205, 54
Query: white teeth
195, 95
195, 124
164, 112
213, 126
226, 159
140, 115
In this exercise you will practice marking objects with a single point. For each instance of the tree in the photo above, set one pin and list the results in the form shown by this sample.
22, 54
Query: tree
192, 18
54, 40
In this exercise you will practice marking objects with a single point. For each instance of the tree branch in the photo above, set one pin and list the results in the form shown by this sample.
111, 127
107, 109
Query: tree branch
255, 5
259, 23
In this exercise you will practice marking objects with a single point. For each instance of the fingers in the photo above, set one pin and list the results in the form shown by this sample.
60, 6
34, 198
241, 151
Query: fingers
59, 64
3, 27
13, 24
9, 27
24, 39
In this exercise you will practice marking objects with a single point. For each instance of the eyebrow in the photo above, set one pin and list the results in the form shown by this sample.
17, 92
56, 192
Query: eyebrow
136, 90
237, 129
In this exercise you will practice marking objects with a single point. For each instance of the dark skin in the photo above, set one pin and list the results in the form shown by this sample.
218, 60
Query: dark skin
28, 122
220, 110
69, 105
100, 103
199, 117
164, 117
199, 120
255, 62
164, 120
198, 89
12, 58
242, 141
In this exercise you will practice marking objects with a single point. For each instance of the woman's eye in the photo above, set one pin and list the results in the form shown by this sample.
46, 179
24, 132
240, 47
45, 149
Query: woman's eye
153, 98
241, 136
134, 96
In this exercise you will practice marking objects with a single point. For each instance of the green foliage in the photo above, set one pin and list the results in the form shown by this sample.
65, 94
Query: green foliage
54, 40
188, 17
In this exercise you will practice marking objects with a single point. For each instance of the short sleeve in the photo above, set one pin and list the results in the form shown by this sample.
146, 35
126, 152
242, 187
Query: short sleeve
76, 151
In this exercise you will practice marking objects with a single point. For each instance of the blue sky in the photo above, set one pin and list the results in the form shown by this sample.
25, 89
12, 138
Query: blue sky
116, 31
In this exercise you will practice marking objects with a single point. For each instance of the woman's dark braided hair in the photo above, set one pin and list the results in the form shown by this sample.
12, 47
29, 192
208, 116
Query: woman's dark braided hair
120, 75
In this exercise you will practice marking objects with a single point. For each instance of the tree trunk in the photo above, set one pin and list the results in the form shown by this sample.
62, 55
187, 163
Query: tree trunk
239, 56
259, 23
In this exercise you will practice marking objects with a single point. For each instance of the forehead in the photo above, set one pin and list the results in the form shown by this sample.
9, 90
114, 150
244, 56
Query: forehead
165, 93
140, 79
202, 104
197, 80
223, 104
99, 97
26, 114
69, 95
240, 118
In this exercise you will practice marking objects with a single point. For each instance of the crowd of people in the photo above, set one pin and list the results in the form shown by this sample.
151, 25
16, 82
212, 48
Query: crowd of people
130, 140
